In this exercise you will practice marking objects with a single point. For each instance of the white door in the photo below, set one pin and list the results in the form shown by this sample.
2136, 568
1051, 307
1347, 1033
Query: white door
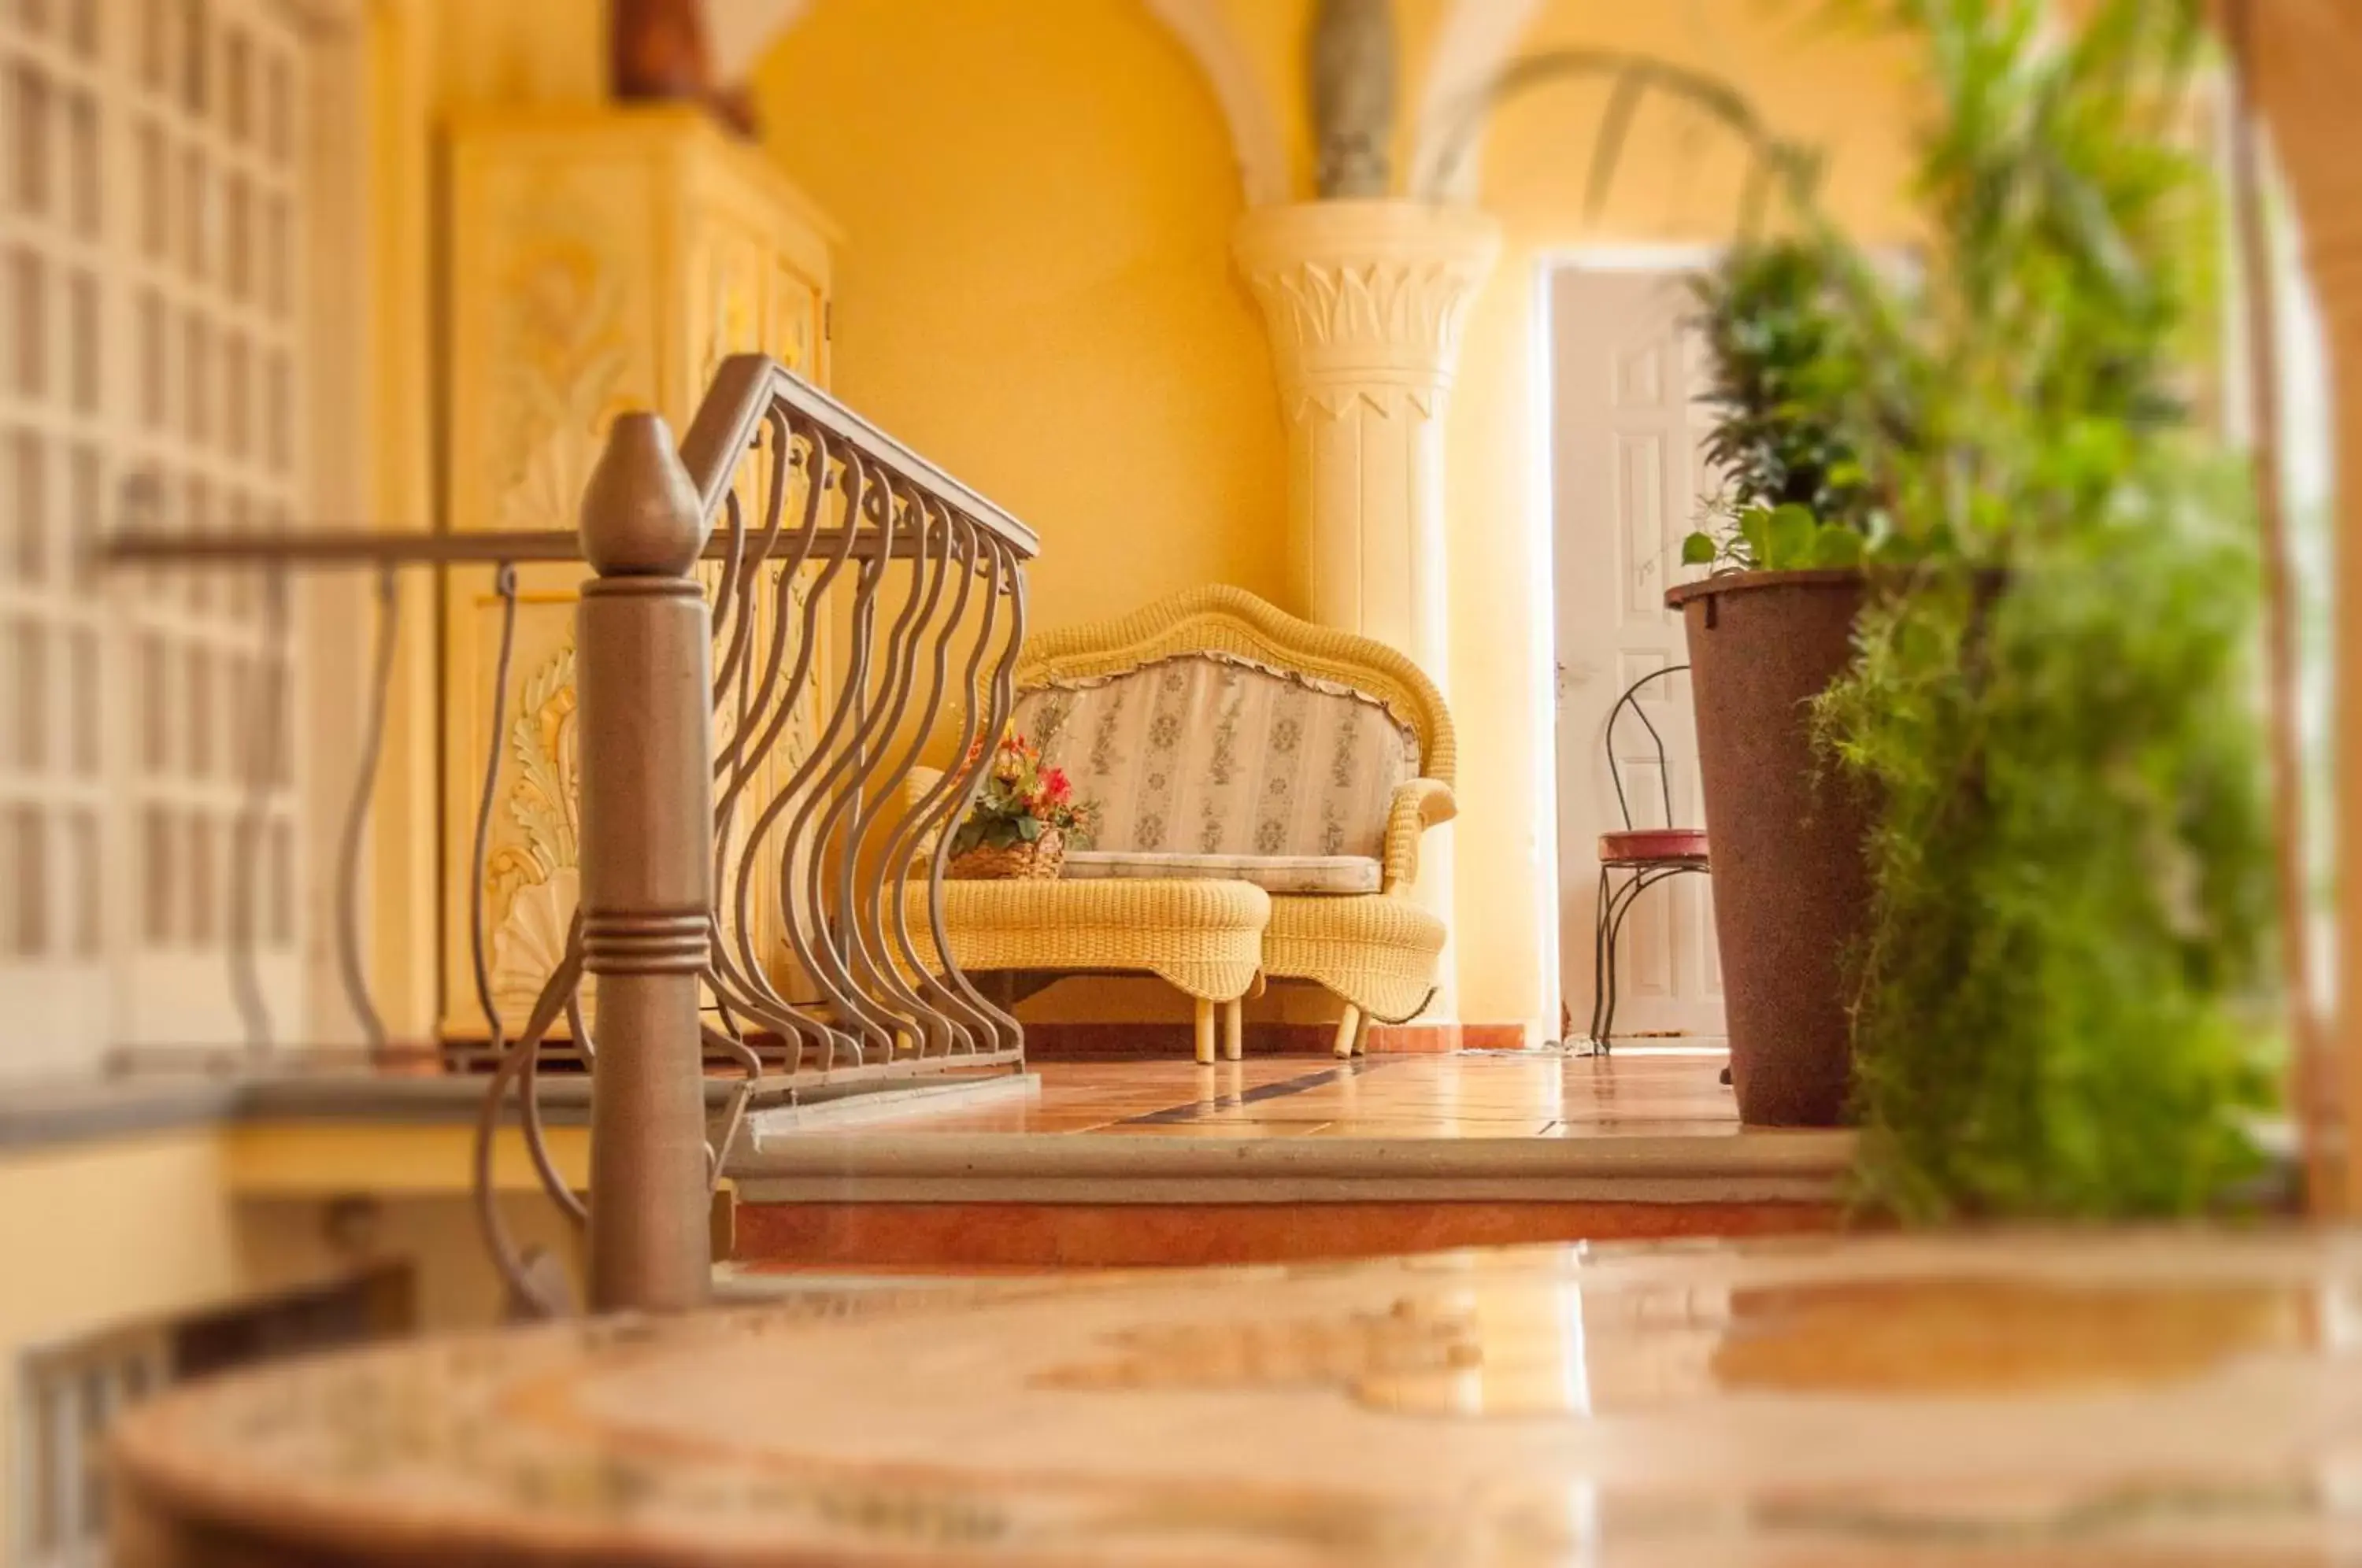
1627, 477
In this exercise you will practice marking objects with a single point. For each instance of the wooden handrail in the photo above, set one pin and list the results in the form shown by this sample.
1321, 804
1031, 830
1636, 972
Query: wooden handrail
745, 390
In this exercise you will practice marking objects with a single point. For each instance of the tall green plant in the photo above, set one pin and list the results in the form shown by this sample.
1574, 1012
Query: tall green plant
2055, 707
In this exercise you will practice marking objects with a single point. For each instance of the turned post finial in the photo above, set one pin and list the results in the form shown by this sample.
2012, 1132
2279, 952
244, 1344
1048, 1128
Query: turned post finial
641, 514
644, 828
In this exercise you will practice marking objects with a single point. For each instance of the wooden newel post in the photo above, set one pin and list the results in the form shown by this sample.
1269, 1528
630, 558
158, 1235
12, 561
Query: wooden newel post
642, 653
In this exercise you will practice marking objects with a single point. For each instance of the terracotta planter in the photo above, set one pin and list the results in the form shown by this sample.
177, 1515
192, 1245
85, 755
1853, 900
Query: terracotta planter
1784, 837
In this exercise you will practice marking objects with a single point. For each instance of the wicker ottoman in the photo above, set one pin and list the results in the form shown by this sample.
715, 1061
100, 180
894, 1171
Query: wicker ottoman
1205, 937
1379, 953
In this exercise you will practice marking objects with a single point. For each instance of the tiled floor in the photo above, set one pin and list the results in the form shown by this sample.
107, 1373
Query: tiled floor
2090, 1398
1474, 1095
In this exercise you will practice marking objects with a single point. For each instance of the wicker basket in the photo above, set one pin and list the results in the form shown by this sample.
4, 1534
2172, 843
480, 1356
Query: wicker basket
1039, 861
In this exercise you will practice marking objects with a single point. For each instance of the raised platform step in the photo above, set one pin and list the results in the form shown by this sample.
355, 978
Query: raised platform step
1156, 1163
988, 1237
1115, 1170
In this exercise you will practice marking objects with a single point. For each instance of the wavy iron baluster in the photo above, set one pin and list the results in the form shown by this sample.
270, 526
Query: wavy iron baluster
815, 935
352, 968
504, 584
764, 709
266, 712
982, 718
910, 819
749, 973
865, 789
1001, 701
531, 1289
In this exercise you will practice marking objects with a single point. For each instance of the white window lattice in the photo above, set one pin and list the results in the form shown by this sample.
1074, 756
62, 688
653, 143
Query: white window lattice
151, 344
66, 1400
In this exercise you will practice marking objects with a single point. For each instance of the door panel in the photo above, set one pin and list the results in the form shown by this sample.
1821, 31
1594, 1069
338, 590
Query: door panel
1627, 479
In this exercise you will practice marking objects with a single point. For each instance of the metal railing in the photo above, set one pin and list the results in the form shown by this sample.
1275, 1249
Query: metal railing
785, 535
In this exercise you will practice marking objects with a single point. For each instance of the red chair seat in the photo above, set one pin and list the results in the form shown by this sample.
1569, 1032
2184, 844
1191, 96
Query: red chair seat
1653, 844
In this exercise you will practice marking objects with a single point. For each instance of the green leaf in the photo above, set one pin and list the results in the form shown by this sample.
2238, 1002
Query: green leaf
1895, 549
1698, 549
1028, 828
1755, 529
1788, 533
1835, 544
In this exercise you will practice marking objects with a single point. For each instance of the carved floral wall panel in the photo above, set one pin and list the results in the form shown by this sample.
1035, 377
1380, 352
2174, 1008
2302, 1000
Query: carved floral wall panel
599, 262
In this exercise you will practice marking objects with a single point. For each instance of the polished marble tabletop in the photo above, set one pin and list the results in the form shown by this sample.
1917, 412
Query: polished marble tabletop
2055, 1399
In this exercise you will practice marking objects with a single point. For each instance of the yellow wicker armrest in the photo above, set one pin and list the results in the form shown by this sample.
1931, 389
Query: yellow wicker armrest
1418, 806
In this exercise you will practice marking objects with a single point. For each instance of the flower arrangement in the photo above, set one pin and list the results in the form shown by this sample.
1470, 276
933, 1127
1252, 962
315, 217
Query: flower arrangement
1024, 819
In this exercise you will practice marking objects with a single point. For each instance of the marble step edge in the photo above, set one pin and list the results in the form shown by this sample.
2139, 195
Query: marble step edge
1017, 1167
36, 1113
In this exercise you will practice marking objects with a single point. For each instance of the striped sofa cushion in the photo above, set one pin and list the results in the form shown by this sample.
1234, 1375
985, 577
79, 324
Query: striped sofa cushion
1207, 753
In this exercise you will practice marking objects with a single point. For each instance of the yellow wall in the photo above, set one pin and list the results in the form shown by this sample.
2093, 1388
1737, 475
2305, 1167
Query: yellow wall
508, 52
98, 1233
1034, 288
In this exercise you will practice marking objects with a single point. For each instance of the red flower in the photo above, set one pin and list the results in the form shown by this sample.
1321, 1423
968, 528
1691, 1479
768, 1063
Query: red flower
1055, 788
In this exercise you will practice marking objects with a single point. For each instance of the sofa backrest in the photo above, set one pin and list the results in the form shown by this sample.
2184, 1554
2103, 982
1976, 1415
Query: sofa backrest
1209, 753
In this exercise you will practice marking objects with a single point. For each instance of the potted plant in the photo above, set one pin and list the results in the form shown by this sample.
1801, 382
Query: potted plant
2055, 707
1024, 819
1769, 631
2018, 729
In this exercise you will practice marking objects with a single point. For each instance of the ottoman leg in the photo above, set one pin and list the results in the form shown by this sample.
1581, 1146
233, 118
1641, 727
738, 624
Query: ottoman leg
1348, 1029
1205, 1022
1234, 1029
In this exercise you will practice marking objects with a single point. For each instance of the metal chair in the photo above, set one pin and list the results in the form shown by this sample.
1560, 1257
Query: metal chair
1645, 856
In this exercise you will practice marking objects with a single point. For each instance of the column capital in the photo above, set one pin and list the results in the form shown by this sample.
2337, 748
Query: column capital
1365, 298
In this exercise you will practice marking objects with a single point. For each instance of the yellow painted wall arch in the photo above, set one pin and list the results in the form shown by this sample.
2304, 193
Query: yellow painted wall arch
744, 32
1034, 284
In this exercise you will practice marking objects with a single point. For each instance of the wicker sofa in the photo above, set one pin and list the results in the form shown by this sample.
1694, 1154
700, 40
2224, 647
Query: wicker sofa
1264, 784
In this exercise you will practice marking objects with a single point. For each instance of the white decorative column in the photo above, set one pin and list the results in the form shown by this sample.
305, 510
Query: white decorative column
2302, 64
1364, 299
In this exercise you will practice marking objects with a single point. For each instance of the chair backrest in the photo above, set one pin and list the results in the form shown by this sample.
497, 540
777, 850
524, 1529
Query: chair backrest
1629, 704
1212, 723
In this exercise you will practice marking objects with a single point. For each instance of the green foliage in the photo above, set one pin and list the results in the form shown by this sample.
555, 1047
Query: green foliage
2070, 873
1776, 538
1786, 370
2054, 705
